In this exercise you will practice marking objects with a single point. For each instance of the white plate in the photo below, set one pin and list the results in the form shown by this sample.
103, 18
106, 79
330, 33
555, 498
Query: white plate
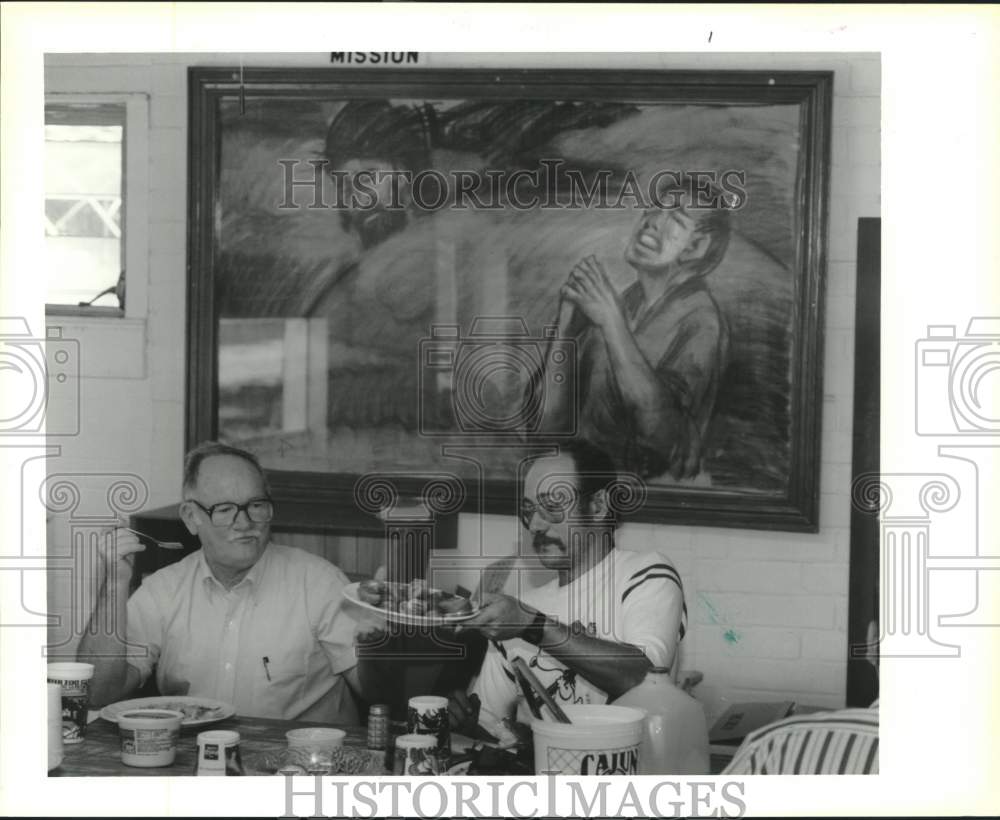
220, 710
351, 594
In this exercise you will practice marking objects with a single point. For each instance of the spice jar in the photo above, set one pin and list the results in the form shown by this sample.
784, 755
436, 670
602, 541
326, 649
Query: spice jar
378, 726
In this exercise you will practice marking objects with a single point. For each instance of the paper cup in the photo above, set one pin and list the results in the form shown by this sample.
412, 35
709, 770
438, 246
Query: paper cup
428, 715
74, 678
601, 740
149, 736
55, 741
415, 756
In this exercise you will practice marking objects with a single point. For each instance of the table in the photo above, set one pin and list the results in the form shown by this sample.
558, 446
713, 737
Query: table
100, 753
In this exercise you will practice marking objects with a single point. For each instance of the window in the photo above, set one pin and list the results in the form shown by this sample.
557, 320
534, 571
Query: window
95, 154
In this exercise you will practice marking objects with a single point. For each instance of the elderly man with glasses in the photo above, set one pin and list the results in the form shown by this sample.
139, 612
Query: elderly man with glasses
591, 633
242, 620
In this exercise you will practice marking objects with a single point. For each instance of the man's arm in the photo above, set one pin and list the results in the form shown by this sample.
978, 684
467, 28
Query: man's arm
612, 667
103, 643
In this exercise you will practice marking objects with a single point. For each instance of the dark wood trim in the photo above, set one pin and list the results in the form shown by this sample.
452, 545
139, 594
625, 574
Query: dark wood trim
863, 586
795, 510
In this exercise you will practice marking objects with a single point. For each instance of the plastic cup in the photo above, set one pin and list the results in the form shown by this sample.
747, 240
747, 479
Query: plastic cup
55, 741
601, 740
74, 678
149, 736
428, 715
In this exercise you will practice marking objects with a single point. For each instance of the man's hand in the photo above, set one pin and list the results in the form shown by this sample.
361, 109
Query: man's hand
116, 556
501, 618
589, 289
370, 634
463, 711
175, 686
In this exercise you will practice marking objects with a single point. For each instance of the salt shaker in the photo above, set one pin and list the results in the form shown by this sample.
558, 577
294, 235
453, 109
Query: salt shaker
378, 726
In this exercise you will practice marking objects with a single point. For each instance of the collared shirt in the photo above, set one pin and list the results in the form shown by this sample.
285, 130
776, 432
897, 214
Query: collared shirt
839, 742
629, 597
274, 645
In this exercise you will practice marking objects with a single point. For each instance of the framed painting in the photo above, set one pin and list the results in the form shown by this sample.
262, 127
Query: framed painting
413, 280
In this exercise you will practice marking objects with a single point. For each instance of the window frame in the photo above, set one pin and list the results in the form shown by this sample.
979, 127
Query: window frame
135, 206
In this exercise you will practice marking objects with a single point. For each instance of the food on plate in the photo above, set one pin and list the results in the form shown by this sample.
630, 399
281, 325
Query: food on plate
415, 598
191, 711
370, 592
454, 605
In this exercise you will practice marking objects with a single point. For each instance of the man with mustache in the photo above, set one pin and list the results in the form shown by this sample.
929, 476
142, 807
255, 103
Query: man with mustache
651, 358
591, 633
242, 620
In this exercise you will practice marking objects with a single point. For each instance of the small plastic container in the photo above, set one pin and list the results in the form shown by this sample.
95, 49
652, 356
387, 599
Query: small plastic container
149, 737
416, 755
219, 754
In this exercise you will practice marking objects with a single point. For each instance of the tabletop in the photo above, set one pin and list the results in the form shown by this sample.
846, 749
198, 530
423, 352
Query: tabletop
100, 753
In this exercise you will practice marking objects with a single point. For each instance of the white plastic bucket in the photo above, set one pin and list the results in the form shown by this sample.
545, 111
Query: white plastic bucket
601, 740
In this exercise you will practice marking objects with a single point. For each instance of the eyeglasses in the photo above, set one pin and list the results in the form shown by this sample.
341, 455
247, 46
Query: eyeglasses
549, 509
258, 510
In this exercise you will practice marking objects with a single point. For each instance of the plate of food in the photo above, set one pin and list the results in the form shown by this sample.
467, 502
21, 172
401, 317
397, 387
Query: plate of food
413, 603
197, 711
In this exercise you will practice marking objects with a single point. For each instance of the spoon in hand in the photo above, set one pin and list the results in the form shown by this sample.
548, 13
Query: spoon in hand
167, 545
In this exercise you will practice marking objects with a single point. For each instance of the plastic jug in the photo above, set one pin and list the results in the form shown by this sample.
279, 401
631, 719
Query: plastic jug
676, 736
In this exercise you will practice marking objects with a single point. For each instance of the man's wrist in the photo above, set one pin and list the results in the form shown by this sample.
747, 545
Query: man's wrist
535, 631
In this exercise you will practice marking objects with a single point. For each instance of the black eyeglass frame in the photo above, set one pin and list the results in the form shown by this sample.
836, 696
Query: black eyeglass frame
214, 509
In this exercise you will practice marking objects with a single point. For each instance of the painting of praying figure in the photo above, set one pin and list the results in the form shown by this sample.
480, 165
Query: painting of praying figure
427, 271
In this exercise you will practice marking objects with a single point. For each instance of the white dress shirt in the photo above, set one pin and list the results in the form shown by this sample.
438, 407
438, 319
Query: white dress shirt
274, 645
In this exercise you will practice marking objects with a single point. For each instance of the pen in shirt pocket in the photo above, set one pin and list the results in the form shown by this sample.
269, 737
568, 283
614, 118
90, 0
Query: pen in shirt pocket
267, 671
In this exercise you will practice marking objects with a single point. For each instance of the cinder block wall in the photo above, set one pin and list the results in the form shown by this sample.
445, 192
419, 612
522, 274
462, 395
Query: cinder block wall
768, 610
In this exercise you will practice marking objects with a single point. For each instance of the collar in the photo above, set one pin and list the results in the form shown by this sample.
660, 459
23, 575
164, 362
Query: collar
252, 580
684, 282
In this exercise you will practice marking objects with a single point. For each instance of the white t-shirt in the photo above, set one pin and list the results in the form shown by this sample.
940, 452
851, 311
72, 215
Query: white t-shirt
630, 597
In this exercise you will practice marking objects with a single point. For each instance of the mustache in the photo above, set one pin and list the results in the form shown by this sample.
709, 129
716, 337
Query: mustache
540, 540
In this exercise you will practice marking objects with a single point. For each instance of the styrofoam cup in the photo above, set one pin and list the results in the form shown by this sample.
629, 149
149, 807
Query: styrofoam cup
600, 740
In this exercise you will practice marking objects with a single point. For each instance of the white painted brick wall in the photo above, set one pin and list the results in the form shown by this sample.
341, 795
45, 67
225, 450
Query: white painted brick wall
782, 597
